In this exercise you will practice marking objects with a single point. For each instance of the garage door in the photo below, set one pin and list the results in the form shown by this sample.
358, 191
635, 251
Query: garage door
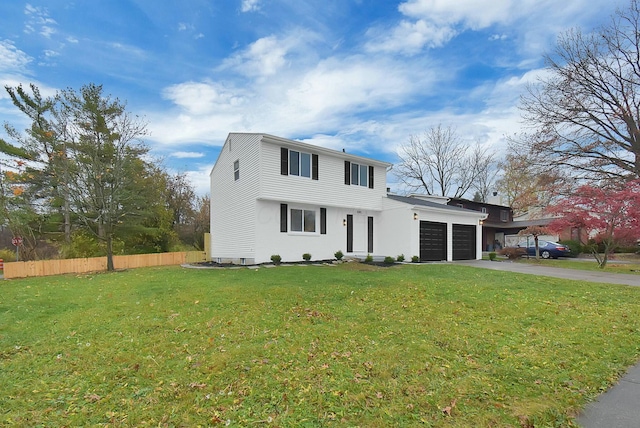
433, 241
464, 242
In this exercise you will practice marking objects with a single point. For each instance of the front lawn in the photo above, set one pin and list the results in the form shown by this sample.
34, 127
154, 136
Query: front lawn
352, 345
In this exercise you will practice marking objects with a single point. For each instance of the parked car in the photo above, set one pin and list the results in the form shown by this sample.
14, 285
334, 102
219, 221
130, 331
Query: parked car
547, 249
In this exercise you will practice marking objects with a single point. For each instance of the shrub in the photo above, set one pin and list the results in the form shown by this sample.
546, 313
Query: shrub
574, 246
492, 256
513, 253
415, 259
368, 259
389, 260
8, 255
400, 258
306, 257
276, 259
338, 255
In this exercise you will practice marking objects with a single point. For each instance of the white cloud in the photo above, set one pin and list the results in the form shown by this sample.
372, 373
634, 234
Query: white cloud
187, 155
39, 20
473, 13
250, 5
266, 56
201, 98
409, 37
12, 59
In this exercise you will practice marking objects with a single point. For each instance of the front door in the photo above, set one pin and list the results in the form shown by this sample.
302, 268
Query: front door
359, 233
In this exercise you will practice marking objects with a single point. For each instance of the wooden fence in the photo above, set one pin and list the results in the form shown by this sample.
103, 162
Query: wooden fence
97, 264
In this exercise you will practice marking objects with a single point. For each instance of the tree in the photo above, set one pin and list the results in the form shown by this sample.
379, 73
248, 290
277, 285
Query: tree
34, 171
535, 231
610, 214
181, 197
527, 182
586, 113
440, 164
104, 146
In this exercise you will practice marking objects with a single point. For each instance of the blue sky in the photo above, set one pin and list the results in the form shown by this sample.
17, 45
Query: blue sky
363, 75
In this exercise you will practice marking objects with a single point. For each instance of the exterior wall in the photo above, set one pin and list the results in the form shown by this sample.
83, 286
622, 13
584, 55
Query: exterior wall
291, 245
402, 232
329, 189
233, 202
495, 212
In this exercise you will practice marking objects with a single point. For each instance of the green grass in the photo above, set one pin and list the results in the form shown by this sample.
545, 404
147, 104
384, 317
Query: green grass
352, 345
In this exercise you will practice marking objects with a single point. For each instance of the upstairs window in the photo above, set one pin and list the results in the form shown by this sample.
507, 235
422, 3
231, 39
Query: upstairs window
293, 162
504, 215
236, 170
358, 174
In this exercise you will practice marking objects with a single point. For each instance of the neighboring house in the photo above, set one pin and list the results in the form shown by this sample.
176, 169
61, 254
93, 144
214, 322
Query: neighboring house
501, 229
271, 195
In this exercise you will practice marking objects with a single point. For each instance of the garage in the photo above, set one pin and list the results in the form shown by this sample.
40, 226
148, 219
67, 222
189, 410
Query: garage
464, 242
433, 241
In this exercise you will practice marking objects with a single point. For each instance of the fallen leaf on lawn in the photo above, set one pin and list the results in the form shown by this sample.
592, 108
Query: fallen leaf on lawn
92, 397
447, 410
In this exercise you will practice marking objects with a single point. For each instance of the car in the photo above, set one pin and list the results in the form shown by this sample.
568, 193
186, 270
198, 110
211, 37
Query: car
547, 249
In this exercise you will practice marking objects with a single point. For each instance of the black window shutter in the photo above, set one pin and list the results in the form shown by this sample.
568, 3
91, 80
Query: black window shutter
370, 234
349, 233
283, 217
323, 221
370, 177
314, 167
284, 162
347, 172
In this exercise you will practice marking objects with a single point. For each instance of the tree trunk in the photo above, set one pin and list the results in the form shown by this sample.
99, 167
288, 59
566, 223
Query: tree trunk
110, 267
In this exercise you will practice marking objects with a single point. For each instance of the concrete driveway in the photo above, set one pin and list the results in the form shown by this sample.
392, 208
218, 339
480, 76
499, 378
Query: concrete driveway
542, 270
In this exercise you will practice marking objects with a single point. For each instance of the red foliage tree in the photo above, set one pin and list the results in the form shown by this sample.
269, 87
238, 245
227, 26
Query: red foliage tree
611, 216
535, 231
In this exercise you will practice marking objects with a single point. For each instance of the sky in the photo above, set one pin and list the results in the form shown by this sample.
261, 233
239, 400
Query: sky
359, 75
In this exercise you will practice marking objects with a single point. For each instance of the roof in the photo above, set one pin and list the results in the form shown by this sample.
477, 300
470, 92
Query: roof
428, 204
520, 224
485, 204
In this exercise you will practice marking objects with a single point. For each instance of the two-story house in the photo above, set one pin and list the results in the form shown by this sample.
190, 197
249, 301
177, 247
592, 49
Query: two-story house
271, 195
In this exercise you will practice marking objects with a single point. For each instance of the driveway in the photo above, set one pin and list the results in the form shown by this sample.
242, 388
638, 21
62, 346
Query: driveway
540, 269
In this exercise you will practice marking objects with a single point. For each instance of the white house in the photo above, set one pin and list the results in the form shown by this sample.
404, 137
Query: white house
271, 195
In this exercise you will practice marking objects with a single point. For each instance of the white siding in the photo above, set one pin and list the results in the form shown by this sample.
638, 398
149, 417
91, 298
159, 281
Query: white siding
329, 189
401, 234
291, 245
233, 203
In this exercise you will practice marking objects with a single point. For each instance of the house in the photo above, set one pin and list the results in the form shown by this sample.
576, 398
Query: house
501, 228
271, 195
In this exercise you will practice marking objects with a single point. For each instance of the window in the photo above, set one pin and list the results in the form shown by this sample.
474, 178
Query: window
303, 220
483, 209
236, 170
504, 215
297, 163
358, 175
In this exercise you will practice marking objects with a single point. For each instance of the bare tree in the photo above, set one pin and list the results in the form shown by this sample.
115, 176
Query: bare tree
441, 164
586, 113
